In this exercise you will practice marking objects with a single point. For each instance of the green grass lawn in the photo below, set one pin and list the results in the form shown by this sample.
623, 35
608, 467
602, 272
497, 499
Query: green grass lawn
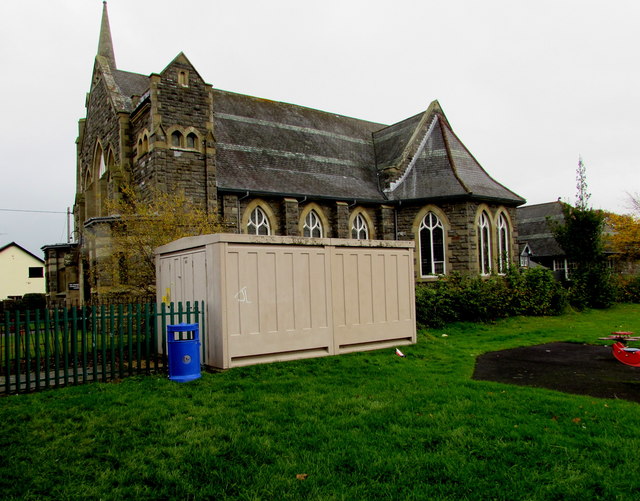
360, 426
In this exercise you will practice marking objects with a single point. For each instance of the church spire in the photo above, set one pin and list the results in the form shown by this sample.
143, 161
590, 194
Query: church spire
105, 45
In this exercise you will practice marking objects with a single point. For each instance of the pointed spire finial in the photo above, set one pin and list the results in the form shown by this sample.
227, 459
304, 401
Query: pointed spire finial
105, 45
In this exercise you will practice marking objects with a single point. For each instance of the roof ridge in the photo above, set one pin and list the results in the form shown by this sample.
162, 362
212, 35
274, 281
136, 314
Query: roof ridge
394, 184
338, 115
454, 169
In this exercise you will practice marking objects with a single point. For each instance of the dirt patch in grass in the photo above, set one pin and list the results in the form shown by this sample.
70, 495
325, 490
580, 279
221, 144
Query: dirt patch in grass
568, 367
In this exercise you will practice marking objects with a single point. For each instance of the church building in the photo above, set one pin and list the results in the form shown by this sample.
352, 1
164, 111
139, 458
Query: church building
271, 168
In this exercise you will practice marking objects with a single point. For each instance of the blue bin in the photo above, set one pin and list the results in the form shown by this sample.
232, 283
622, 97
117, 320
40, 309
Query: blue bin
184, 352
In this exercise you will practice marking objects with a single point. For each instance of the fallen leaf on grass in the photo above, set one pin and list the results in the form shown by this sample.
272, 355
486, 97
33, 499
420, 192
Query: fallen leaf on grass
302, 476
576, 420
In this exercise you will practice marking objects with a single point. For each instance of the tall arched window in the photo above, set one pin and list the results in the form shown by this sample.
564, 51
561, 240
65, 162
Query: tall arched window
312, 225
484, 244
258, 223
192, 141
432, 250
176, 139
102, 169
503, 244
359, 228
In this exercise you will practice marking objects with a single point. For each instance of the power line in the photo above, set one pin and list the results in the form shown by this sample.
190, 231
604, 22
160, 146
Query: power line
38, 211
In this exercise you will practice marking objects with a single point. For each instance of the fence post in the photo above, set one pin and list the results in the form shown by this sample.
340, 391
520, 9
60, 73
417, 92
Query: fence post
56, 348
130, 336
120, 341
47, 348
7, 352
83, 342
147, 336
164, 331
65, 346
16, 336
103, 337
74, 343
38, 327
112, 340
138, 332
94, 341
27, 351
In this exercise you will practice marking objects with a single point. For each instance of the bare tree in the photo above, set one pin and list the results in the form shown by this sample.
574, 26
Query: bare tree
582, 193
634, 202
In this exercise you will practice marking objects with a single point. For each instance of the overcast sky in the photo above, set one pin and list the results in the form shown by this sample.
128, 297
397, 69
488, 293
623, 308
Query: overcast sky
527, 86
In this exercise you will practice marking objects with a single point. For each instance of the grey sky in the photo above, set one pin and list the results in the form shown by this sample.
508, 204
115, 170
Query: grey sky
527, 86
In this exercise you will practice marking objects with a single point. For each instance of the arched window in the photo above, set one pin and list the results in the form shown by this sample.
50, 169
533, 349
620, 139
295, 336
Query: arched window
88, 179
192, 141
258, 223
102, 169
312, 225
145, 143
503, 244
359, 228
484, 244
176, 139
432, 246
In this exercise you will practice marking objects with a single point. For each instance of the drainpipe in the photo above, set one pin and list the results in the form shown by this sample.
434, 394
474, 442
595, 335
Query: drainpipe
206, 180
238, 209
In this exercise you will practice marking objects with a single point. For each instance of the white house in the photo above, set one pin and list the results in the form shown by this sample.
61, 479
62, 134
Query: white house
20, 272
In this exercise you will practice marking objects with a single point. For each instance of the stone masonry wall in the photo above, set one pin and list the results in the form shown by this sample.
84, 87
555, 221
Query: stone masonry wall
184, 107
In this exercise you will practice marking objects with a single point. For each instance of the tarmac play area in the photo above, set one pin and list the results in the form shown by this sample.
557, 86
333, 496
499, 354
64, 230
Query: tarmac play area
568, 367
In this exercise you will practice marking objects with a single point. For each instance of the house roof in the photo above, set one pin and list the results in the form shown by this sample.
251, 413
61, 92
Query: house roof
426, 159
534, 229
131, 84
13, 244
281, 148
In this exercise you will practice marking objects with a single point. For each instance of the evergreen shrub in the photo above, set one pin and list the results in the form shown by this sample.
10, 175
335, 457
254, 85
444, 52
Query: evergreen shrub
628, 289
481, 299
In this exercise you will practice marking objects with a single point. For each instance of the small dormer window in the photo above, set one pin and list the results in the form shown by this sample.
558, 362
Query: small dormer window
183, 78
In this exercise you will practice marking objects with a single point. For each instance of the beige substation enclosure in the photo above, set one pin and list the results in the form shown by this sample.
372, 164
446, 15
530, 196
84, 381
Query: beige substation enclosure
271, 298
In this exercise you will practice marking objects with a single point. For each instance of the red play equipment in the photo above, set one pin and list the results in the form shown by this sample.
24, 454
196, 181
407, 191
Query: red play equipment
626, 355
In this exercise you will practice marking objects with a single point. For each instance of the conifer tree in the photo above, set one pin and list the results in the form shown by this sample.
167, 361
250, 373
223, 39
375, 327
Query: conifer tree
581, 238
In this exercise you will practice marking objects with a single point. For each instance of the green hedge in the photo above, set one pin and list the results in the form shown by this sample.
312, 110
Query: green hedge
31, 301
464, 298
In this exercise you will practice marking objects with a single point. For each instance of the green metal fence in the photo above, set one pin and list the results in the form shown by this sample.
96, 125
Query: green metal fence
54, 348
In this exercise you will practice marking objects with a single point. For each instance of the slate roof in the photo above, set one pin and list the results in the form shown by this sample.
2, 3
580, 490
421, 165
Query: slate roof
433, 162
534, 230
131, 84
270, 147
